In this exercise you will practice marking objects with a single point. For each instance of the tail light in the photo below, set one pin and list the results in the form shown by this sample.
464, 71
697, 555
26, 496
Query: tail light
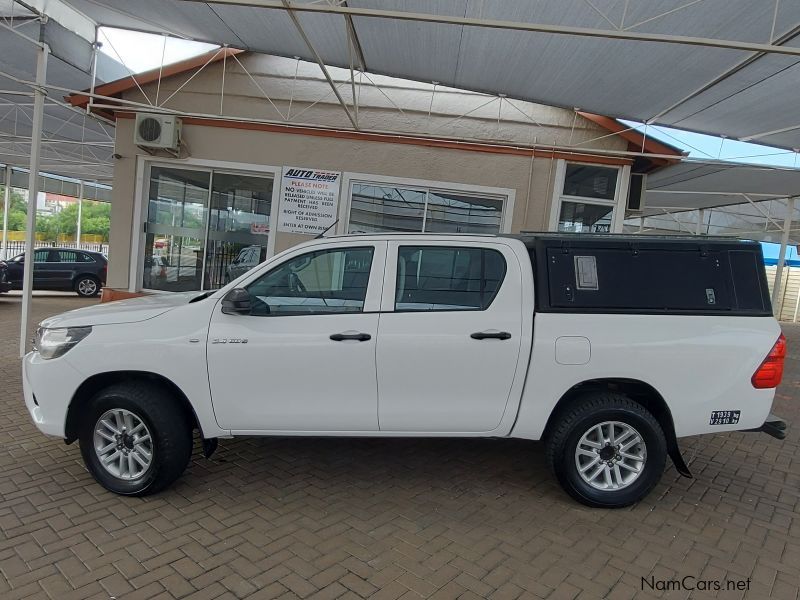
770, 373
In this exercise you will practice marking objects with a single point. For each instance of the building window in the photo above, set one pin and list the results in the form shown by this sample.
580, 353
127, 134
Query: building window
385, 207
586, 198
204, 227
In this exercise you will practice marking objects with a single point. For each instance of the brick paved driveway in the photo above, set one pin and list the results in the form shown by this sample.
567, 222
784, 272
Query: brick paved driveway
387, 518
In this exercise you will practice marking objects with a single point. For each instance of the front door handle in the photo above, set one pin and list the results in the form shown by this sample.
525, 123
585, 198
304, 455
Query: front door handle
490, 335
359, 337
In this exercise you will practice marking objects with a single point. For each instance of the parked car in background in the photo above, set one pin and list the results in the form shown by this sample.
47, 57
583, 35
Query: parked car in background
157, 270
248, 258
82, 271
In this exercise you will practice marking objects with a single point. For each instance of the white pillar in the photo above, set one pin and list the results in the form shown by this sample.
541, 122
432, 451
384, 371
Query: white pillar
777, 295
618, 221
33, 189
701, 217
6, 205
80, 212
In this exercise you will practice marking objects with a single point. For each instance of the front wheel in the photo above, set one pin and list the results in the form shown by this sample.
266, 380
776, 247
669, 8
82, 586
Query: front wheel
87, 286
135, 439
607, 451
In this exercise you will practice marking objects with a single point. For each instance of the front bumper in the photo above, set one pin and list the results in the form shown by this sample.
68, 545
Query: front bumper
774, 426
48, 387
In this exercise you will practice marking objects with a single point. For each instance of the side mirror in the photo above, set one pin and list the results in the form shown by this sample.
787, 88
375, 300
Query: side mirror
236, 302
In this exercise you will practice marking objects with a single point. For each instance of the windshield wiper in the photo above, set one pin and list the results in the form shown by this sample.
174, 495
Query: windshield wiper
202, 296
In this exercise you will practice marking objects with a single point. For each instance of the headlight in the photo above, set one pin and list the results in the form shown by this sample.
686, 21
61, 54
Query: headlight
52, 343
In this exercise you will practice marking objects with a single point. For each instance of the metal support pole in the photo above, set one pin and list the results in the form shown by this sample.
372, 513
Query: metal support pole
33, 188
641, 224
777, 295
6, 206
701, 218
80, 214
319, 60
95, 47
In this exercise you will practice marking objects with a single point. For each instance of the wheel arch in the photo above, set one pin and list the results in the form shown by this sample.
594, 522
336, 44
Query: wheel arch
94, 384
640, 392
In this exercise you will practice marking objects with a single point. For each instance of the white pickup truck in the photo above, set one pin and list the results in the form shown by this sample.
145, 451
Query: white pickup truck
607, 348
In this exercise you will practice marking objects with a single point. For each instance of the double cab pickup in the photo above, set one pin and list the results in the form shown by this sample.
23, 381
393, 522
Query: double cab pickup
608, 348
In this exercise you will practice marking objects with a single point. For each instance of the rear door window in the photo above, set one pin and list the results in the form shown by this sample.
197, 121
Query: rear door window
438, 278
68, 256
42, 256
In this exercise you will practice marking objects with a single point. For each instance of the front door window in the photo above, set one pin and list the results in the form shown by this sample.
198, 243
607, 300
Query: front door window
323, 282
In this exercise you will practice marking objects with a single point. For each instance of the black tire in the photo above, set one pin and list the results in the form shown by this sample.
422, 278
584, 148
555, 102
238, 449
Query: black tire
87, 286
563, 439
169, 427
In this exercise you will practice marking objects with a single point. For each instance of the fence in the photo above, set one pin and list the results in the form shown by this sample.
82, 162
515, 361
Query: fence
16, 247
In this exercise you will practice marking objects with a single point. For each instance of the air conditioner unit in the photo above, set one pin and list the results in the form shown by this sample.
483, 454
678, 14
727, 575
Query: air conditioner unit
636, 193
157, 131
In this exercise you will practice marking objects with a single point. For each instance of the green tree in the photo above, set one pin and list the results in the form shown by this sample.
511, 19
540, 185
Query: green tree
17, 210
95, 218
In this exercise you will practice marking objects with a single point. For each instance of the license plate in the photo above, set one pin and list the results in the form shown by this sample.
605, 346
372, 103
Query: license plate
724, 417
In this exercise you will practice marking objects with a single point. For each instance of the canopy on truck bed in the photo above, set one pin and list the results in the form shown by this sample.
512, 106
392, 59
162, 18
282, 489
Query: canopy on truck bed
648, 274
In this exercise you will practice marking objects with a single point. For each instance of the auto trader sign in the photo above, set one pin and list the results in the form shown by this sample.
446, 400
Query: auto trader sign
309, 200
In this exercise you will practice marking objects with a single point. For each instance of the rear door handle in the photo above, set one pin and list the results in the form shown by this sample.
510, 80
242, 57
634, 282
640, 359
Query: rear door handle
490, 335
357, 336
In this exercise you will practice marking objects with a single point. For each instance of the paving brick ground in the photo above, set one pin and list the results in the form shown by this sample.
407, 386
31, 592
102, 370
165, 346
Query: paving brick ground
268, 518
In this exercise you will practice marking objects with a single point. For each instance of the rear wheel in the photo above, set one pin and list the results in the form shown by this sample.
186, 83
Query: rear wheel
607, 451
135, 439
87, 286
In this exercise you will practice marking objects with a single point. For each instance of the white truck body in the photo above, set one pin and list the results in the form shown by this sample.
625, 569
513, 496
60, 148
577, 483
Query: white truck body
419, 373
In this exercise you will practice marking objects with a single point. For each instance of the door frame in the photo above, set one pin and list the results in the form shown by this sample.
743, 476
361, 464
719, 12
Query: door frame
372, 302
143, 164
512, 249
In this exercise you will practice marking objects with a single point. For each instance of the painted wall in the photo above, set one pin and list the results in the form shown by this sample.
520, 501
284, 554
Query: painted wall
395, 105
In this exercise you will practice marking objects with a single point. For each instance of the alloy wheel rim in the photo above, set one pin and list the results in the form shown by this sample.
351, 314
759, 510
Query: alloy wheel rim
610, 456
123, 444
87, 286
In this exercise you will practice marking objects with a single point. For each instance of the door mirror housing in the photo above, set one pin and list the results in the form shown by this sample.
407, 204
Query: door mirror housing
237, 302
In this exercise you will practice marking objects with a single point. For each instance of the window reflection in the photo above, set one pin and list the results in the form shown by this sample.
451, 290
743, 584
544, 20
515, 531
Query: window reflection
455, 213
376, 208
188, 246
239, 229
177, 206
577, 217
